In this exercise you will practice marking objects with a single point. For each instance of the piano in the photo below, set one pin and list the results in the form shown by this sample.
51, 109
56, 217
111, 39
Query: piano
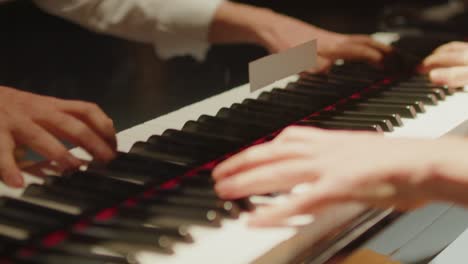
155, 203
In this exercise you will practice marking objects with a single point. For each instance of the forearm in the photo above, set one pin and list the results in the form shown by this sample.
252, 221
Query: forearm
239, 23
448, 180
175, 27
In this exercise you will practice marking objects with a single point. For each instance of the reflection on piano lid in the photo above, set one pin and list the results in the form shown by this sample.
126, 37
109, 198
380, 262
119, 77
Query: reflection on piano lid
155, 202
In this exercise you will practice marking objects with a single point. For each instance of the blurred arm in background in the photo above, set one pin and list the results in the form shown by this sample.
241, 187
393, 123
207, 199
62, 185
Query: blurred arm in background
180, 27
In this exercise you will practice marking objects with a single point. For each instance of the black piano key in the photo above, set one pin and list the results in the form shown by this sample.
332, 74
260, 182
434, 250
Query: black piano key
309, 95
419, 78
275, 108
154, 151
292, 100
199, 181
30, 221
245, 129
17, 229
137, 178
76, 249
90, 250
267, 111
11, 203
61, 184
204, 183
98, 183
210, 128
338, 77
408, 111
9, 244
341, 88
213, 143
385, 124
194, 190
439, 93
136, 164
206, 129
426, 98
227, 208
209, 215
177, 233
174, 226
341, 125
317, 91
47, 196
448, 90
418, 105
56, 257
265, 127
258, 117
394, 118
189, 149
125, 241
172, 216
335, 90
222, 143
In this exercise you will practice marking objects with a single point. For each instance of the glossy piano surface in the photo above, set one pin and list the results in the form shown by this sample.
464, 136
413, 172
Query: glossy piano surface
154, 163
123, 219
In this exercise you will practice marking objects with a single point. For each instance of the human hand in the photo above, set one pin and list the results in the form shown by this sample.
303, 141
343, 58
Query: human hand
38, 121
240, 23
344, 166
448, 64
285, 32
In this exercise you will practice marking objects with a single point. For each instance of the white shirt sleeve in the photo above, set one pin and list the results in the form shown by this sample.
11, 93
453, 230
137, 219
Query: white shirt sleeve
175, 27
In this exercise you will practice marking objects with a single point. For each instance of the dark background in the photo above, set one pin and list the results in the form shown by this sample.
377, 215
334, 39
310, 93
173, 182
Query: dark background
48, 55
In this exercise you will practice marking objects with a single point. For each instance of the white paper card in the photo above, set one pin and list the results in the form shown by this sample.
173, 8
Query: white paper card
269, 69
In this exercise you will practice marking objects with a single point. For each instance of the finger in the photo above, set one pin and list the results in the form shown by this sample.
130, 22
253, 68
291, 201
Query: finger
317, 136
453, 77
367, 40
323, 64
318, 196
299, 133
454, 46
356, 51
94, 117
9, 171
257, 156
77, 132
41, 141
443, 60
274, 177
19, 153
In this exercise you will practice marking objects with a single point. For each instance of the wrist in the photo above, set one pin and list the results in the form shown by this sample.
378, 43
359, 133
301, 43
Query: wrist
240, 23
448, 179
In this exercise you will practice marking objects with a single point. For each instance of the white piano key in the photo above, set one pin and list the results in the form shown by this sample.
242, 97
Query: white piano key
438, 120
236, 242
16, 192
223, 245
218, 245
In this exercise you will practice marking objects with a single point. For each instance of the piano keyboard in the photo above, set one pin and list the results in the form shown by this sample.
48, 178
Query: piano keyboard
155, 202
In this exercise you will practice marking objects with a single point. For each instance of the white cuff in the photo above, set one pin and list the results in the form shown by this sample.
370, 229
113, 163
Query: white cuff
183, 27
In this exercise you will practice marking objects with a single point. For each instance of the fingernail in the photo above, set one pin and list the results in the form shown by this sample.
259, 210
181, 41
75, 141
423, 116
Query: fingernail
104, 154
255, 219
72, 161
216, 173
15, 180
224, 188
18, 181
113, 142
437, 75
